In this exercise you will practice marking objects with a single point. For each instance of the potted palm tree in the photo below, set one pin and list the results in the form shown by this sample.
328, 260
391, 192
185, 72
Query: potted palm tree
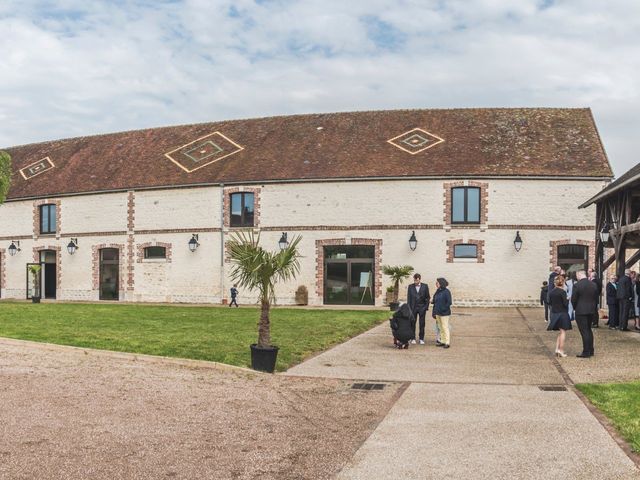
34, 270
255, 268
397, 274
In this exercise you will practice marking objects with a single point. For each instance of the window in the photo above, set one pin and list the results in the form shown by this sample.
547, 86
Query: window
242, 209
47, 219
465, 251
572, 258
155, 252
465, 205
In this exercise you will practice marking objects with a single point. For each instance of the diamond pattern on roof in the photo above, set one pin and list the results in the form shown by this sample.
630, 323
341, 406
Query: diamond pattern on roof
415, 141
203, 151
36, 168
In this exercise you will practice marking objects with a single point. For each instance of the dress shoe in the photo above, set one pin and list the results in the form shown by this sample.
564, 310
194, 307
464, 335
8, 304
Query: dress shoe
624, 329
446, 345
583, 355
560, 354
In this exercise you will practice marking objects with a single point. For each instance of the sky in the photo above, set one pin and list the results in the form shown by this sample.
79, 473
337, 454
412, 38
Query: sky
81, 67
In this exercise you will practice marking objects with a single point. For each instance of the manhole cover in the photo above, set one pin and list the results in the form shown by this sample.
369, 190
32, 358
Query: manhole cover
552, 388
368, 386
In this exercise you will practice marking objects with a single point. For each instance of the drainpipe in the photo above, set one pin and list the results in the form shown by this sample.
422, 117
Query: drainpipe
222, 290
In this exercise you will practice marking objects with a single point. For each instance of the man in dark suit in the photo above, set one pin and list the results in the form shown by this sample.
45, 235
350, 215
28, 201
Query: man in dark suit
418, 299
625, 300
593, 276
585, 299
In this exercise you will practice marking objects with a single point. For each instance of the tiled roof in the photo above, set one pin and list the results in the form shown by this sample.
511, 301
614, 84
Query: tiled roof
377, 144
627, 179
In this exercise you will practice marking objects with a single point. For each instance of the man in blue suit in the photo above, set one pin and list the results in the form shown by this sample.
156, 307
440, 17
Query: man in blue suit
418, 299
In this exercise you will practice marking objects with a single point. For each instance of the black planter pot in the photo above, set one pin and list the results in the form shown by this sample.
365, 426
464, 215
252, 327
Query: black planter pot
35, 299
263, 359
393, 306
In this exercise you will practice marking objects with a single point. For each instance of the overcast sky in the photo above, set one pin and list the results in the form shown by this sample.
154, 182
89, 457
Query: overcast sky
81, 67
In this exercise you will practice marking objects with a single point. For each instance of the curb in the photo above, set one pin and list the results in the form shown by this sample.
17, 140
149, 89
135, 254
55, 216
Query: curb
132, 357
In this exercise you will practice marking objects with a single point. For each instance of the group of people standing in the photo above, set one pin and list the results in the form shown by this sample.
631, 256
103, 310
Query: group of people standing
566, 300
623, 301
403, 322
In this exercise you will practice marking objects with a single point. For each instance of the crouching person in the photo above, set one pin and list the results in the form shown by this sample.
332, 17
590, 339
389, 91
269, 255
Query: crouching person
401, 326
442, 311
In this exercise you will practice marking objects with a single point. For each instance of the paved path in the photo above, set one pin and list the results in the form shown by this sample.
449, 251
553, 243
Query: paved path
476, 410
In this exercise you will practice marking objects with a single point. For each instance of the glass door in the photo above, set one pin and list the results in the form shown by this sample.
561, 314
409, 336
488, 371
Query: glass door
361, 284
33, 280
109, 273
336, 285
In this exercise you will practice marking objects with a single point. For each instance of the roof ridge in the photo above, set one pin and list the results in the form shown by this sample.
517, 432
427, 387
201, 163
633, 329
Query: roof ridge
293, 115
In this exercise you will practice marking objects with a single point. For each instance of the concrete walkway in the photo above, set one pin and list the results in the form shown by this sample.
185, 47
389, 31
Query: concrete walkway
476, 410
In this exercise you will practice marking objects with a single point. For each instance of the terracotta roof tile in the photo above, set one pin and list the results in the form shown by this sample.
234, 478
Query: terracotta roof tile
477, 142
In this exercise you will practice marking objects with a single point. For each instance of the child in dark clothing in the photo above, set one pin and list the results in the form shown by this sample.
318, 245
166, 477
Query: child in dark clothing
234, 294
543, 299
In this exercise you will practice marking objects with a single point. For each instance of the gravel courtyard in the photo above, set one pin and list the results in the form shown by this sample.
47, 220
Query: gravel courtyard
75, 413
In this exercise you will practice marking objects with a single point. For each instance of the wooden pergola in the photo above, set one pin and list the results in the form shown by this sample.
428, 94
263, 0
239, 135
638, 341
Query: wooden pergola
618, 213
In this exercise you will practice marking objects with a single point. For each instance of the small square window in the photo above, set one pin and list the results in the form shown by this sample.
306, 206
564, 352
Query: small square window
465, 251
155, 252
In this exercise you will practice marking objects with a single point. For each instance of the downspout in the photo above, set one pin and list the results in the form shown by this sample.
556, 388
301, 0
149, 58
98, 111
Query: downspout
222, 290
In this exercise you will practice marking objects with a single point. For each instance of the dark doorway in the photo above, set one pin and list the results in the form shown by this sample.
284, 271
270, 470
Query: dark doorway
49, 273
109, 273
348, 275
572, 258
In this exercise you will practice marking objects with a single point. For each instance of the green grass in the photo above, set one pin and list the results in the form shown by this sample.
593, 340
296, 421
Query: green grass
219, 334
621, 403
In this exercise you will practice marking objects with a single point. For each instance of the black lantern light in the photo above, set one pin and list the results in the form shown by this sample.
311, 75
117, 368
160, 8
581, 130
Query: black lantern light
413, 241
193, 243
604, 233
13, 248
517, 243
72, 246
283, 242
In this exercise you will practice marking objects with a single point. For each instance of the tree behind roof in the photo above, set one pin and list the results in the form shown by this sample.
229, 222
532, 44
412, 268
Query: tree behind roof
5, 175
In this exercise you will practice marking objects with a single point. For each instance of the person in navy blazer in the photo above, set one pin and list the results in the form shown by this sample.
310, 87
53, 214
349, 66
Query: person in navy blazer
418, 299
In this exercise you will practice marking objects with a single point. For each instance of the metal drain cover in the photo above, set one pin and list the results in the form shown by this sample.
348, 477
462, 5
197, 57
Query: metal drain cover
368, 386
552, 388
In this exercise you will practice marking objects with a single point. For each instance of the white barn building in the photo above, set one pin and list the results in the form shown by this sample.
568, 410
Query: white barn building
356, 186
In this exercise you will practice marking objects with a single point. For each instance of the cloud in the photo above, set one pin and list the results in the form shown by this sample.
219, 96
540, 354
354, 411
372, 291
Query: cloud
72, 67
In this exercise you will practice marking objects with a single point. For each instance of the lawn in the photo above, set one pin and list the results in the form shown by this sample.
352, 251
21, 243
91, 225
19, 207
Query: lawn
621, 403
219, 334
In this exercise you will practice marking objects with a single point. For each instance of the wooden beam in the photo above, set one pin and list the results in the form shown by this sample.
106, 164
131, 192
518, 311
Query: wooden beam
631, 227
633, 259
608, 262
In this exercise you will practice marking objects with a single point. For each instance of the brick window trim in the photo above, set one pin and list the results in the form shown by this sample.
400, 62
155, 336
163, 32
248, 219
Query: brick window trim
459, 241
3, 268
227, 204
95, 260
36, 217
142, 246
377, 256
484, 200
57, 249
553, 253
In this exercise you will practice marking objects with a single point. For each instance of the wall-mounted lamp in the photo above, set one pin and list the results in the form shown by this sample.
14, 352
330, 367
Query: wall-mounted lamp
413, 241
604, 233
517, 243
193, 243
283, 242
14, 247
72, 246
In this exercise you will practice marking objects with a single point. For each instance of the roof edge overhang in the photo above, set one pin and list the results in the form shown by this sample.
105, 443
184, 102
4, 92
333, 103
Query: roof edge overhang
314, 180
610, 191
